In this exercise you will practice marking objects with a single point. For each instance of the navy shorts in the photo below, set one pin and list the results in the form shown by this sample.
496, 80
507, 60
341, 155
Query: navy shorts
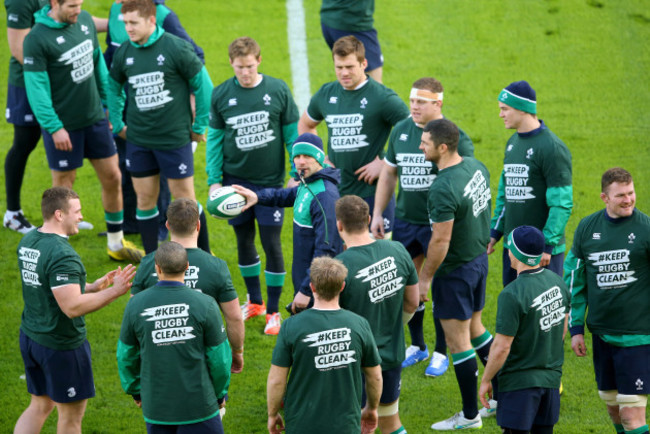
414, 237
462, 292
143, 162
62, 375
18, 110
625, 369
392, 385
388, 214
209, 426
265, 215
368, 38
521, 409
94, 142
509, 274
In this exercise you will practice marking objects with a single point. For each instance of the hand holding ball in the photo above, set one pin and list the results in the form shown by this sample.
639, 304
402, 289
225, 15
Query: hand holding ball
225, 203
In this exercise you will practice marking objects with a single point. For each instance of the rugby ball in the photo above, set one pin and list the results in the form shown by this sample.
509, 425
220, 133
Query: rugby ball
225, 203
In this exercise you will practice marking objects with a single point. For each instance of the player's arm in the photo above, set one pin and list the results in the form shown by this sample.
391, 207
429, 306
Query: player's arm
202, 88
101, 24
306, 124
74, 304
217, 351
436, 253
235, 331
575, 278
15, 37
116, 100
498, 354
289, 135
374, 384
560, 203
497, 224
385, 189
128, 357
214, 144
276, 386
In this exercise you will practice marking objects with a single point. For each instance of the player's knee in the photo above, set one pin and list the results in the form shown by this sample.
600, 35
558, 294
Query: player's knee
624, 401
609, 396
386, 410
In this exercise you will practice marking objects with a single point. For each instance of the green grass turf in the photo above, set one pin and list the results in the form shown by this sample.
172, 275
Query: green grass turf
588, 61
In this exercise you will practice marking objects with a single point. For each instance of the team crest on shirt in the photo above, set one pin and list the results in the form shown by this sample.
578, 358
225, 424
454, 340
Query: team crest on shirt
60, 40
364, 103
84, 28
160, 59
529, 153
232, 102
631, 238
267, 99
403, 137
333, 100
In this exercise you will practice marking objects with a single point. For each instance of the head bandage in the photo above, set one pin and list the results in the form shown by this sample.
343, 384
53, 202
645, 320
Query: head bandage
425, 95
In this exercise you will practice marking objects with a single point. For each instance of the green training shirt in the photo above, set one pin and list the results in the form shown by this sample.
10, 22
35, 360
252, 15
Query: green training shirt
353, 16
532, 308
173, 351
535, 186
608, 272
378, 274
326, 351
20, 15
255, 124
64, 72
159, 77
47, 262
462, 193
206, 273
358, 124
414, 173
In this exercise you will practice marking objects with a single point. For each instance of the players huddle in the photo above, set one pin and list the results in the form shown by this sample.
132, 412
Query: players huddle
354, 289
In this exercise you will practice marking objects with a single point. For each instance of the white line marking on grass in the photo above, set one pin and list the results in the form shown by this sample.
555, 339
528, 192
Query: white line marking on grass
298, 53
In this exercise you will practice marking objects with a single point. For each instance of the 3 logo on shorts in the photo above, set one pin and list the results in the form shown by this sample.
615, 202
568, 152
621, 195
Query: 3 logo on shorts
638, 384
182, 168
333, 348
277, 215
72, 392
383, 278
63, 163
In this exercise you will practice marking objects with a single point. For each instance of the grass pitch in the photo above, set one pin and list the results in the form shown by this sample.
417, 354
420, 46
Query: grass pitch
588, 62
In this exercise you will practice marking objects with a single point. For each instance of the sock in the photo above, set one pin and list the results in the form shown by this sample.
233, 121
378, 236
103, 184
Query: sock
204, 239
482, 345
640, 430
274, 284
400, 430
441, 343
25, 140
114, 233
466, 375
251, 275
148, 227
416, 329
